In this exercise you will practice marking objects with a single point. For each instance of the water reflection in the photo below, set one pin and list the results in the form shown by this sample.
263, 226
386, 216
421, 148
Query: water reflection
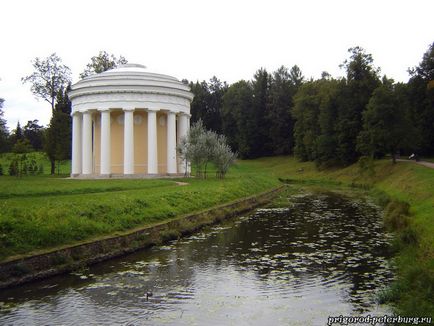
323, 255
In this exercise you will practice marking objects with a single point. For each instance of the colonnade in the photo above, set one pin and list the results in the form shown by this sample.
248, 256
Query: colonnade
83, 137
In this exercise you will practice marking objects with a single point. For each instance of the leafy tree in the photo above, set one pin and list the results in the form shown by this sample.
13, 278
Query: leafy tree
22, 146
296, 76
261, 125
102, 62
223, 157
237, 122
13, 168
326, 142
362, 79
306, 128
207, 103
19, 163
48, 78
17, 134
58, 135
202, 147
421, 101
4, 132
34, 133
283, 86
386, 122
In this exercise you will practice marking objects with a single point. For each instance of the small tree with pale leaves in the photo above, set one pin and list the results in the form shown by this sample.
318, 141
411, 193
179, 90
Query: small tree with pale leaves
201, 147
223, 157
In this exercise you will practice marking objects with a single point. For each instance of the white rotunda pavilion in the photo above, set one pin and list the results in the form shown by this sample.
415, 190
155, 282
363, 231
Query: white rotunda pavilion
127, 121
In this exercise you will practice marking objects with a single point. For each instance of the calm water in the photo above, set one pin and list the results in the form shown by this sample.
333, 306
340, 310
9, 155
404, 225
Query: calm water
321, 256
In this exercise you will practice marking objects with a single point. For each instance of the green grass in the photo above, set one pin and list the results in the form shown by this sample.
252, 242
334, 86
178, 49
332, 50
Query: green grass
42, 212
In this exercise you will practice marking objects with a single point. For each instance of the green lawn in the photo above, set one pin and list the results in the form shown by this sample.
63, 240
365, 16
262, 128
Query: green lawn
39, 212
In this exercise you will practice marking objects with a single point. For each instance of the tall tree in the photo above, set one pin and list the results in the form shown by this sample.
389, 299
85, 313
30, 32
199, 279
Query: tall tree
49, 76
283, 86
207, 103
33, 132
306, 128
362, 79
4, 132
421, 98
17, 134
102, 62
386, 122
58, 134
238, 123
326, 143
261, 125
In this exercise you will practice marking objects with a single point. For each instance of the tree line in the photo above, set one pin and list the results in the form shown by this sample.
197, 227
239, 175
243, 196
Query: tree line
332, 121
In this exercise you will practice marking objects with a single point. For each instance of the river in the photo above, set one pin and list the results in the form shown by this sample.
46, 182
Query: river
323, 255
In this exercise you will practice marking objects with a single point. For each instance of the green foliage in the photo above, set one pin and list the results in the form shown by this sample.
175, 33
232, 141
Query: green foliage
102, 62
306, 129
386, 122
37, 163
207, 103
33, 132
283, 86
4, 132
58, 135
223, 157
237, 124
421, 101
22, 146
13, 168
396, 215
202, 147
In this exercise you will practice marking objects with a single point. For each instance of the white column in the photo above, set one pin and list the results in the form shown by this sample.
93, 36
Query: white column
76, 144
182, 132
105, 142
171, 142
152, 142
87, 143
128, 141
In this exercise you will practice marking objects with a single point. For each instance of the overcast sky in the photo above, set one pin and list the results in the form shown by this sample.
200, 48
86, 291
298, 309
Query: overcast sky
196, 40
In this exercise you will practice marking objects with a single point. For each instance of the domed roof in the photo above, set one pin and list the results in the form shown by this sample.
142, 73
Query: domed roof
130, 78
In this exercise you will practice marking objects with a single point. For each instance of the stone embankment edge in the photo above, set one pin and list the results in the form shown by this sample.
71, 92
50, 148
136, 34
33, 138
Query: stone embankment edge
39, 266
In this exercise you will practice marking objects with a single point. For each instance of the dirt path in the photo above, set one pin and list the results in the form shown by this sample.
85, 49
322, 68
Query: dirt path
424, 163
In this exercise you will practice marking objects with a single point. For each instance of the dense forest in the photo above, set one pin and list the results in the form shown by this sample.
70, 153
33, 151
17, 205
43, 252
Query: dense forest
332, 121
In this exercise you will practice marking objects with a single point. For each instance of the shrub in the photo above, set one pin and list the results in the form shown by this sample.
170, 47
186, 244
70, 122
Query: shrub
396, 215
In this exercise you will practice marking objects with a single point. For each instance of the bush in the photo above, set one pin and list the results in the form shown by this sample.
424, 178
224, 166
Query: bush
201, 147
13, 167
396, 215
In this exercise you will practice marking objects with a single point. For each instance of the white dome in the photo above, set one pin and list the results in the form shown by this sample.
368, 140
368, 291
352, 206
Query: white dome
133, 84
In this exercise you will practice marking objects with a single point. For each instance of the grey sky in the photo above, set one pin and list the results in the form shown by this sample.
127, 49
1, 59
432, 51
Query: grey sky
198, 39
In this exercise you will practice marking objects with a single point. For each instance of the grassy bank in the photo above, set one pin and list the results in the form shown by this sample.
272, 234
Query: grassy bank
40, 212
